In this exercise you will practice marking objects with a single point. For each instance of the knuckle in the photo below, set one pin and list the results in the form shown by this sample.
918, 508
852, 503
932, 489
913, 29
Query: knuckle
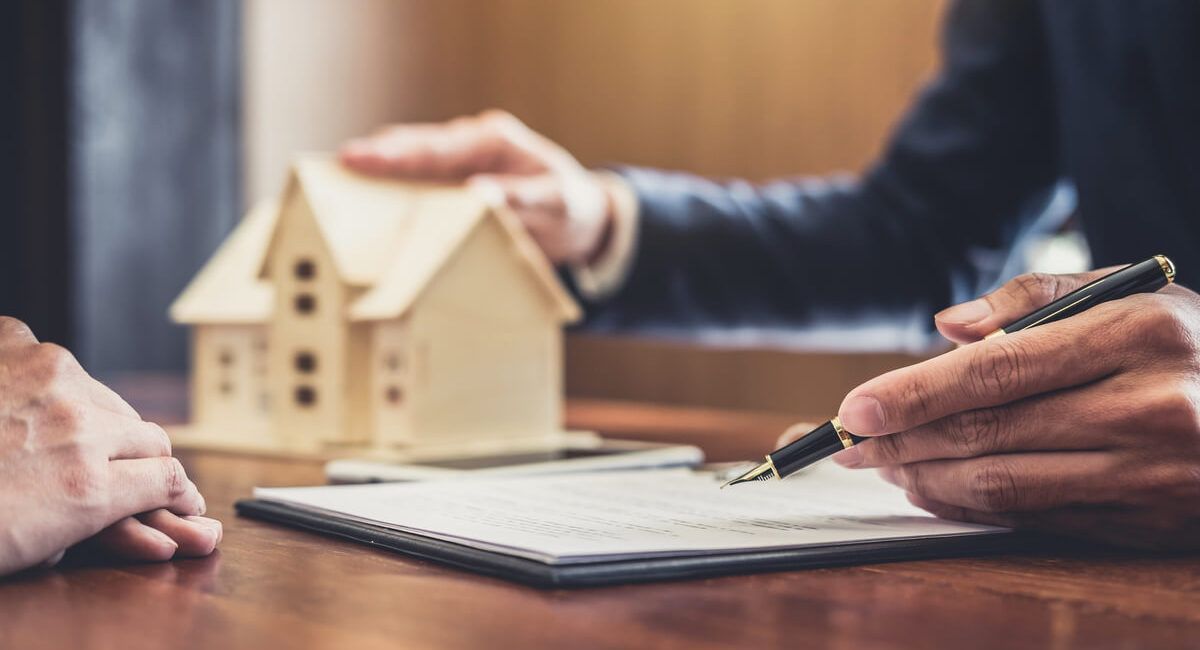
978, 432
889, 450
994, 488
1178, 407
175, 479
497, 117
66, 416
919, 402
162, 441
1180, 482
52, 362
997, 369
1165, 325
83, 480
14, 328
1034, 288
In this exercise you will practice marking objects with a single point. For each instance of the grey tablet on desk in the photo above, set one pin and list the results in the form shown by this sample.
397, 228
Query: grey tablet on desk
591, 454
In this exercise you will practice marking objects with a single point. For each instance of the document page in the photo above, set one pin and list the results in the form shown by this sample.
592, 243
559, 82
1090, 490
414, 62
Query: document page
565, 519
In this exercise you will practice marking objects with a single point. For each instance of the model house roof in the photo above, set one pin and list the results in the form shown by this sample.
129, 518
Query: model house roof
386, 236
229, 288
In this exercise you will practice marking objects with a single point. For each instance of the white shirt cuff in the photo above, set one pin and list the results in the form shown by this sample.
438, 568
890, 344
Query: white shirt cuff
601, 278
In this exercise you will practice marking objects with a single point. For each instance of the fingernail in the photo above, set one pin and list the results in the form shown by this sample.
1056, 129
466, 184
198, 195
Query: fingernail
163, 539
849, 457
862, 415
967, 313
213, 525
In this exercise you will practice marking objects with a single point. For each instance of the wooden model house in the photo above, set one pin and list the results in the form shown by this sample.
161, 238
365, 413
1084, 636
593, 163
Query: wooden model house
371, 313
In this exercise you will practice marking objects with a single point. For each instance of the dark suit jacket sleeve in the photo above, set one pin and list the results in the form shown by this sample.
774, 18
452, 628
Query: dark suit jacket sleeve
977, 146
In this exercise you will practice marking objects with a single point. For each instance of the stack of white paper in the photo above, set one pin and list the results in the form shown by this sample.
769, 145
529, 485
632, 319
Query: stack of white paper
629, 515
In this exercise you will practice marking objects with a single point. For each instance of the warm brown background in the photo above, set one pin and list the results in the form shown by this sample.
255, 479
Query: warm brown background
752, 88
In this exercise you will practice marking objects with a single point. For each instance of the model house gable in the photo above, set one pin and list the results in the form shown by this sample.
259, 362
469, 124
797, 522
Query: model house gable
228, 288
446, 220
361, 219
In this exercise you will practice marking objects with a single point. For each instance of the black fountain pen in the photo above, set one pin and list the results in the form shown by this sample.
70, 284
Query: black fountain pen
829, 438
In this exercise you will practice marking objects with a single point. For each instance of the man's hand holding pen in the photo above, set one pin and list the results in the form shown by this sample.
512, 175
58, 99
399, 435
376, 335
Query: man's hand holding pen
1087, 426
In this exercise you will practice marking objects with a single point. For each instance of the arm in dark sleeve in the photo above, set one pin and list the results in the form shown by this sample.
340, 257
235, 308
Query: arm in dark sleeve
975, 149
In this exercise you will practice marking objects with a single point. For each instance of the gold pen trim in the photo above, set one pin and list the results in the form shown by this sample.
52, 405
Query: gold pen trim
847, 441
1168, 267
771, 462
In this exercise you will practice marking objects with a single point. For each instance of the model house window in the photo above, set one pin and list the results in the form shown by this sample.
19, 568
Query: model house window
306, 362
306, 303
393, 361
394, 395
305, 269
306, 395
225, 358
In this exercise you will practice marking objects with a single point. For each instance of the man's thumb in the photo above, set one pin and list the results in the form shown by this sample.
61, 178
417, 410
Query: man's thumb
971, 321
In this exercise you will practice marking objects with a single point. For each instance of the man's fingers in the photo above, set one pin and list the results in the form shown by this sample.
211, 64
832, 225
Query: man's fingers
971, 321
416, 151
157, 536
491, 142
1089, 417
958, 513
138, 439
131, 539
196, 536
146, 484
540, 192
120, 437
1113, 524
989, 373
106, 398
1014, 482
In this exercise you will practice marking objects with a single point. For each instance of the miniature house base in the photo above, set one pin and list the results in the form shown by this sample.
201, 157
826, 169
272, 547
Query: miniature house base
374, 317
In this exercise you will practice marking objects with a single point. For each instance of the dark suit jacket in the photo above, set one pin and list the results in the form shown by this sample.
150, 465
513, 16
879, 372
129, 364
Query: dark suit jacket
1103, 93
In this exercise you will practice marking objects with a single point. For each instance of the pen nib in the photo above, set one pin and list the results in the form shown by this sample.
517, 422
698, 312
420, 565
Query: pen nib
763, 472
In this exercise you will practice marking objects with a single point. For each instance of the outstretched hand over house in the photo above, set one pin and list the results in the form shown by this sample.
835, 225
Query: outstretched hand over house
77, 463
567, 209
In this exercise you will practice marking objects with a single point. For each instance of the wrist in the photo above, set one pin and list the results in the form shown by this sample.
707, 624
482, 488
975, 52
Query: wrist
602, 270
603, 240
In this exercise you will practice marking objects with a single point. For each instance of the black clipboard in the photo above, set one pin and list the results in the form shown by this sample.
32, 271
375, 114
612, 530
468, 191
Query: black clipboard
605, 573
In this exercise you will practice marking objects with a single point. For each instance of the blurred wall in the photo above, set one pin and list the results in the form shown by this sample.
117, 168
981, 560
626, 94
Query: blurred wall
35, 283
316, 72
154, 178
752, 88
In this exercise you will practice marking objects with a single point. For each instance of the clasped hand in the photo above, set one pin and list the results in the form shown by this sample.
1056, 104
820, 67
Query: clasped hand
78, 463
1089, 426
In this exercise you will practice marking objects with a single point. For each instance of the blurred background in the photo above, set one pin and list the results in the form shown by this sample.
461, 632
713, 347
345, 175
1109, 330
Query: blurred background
142, 129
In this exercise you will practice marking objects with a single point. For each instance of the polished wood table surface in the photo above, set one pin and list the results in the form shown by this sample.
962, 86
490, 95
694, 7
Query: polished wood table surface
274, 587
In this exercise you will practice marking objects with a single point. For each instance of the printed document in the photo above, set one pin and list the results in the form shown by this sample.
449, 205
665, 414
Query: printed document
635, 514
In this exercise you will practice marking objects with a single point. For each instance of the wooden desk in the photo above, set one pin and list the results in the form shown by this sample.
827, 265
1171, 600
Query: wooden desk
273, 587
